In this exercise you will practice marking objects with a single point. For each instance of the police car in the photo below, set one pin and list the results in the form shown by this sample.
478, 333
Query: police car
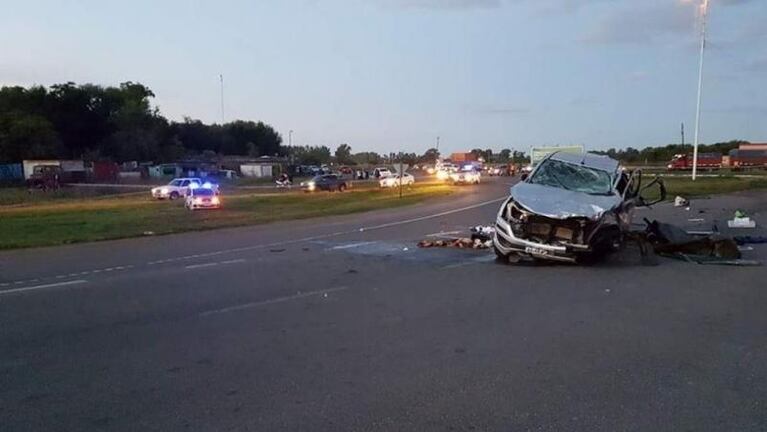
203, 198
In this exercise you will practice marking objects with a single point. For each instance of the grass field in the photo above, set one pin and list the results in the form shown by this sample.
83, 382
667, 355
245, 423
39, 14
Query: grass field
56, 222
704, 186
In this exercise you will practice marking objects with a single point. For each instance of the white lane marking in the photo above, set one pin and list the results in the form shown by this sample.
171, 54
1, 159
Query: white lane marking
352, 245
234, 261
196, 266
39, 287
443, 233
273, 301
436, 215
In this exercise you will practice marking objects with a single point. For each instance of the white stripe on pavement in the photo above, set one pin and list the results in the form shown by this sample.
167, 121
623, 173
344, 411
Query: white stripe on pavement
196, 266
39, 287
273, 301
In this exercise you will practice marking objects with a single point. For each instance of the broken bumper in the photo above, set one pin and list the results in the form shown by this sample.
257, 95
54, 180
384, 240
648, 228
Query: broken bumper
506, 243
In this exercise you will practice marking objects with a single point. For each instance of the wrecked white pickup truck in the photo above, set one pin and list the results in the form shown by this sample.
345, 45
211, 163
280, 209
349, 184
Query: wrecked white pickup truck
570, 208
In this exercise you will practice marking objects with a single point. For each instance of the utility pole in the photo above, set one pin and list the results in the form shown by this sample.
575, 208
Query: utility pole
704, 10
437, 144
683, 136
221, 78
290, 138
401, 174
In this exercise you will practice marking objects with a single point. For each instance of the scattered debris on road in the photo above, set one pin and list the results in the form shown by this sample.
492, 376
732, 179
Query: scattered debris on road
673, 242
743, 240
741, 220
680, 201
459, 243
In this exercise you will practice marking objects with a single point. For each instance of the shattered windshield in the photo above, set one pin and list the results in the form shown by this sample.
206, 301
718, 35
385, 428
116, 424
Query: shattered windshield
573, 177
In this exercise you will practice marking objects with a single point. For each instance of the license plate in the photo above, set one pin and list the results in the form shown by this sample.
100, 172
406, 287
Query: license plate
536, 251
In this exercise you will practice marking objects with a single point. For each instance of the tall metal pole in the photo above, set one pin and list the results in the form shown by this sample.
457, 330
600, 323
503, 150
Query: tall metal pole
221, 78
704, 8
290, 138
682, 136
437, 144
401, 174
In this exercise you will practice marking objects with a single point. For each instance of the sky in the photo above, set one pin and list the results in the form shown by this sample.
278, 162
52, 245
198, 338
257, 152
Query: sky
392, 75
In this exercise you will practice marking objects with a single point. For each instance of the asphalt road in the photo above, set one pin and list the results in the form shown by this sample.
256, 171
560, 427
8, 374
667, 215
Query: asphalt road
343, 324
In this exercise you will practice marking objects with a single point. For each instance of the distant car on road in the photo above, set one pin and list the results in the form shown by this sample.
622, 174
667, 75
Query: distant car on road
465, 177
394, 180
328, 182
45, 177
202, 198
180, 187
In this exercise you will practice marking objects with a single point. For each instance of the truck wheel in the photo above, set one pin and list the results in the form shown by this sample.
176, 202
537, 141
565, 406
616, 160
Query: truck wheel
173, 196
341, 187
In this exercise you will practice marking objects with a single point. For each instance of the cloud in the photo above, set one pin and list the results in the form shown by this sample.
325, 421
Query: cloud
640, 24
739, 109
443, 4
735, 2
499, 111
757, 65
639, 75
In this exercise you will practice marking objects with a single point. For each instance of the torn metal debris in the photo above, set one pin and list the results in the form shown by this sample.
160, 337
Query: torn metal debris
673, 242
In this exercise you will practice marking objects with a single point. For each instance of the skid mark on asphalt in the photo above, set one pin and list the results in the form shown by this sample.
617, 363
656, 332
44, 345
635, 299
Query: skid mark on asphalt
443, 257
296, 296
261, 246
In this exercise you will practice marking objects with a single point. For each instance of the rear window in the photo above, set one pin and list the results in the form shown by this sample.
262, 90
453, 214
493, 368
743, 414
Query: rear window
202, 192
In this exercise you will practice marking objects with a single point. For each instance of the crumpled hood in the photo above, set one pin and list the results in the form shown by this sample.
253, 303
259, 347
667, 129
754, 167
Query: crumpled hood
559, 203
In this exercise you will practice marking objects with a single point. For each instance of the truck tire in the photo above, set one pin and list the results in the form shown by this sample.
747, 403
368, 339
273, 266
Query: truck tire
341, 187
173, 196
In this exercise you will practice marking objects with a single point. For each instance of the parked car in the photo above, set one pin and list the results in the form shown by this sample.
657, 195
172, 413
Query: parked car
381, 172
572, 206
45, 177
395, 180
202, 198
328, 182
180, 187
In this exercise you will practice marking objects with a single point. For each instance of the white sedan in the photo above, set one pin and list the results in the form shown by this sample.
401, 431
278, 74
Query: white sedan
465, 177
394, 180
203, 198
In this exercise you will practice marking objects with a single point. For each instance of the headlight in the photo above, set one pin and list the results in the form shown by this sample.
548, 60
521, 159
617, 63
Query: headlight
164, 191
215, 201
670, 166
198, 200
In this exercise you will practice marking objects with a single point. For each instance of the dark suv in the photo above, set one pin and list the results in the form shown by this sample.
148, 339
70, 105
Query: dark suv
328, 182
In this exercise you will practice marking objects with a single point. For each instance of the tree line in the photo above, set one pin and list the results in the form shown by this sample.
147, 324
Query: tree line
69, 121
667, 152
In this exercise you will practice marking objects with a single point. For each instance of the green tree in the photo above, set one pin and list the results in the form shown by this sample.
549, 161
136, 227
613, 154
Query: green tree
430, 156
367, 158
344, 154
504, 156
